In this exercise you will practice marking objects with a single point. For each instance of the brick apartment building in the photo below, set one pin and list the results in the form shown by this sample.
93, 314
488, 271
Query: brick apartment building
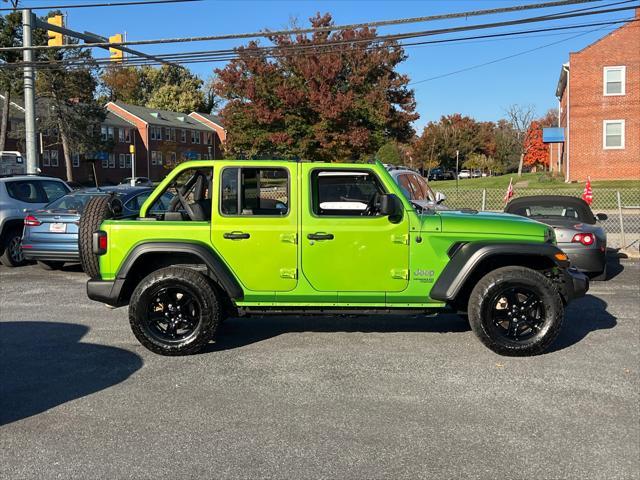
599, 103
161, 139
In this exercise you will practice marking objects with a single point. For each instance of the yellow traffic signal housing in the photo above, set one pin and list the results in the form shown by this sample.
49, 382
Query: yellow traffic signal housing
56, 39
116, 54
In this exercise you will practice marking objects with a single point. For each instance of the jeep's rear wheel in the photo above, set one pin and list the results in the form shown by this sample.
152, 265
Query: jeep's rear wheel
174, 311
95, 212
515, 311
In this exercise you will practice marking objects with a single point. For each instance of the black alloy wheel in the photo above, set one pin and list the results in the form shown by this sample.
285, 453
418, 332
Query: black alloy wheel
517, 313
173, 314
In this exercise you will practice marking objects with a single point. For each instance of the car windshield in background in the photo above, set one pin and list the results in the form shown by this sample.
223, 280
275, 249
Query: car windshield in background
549, 211
75, 202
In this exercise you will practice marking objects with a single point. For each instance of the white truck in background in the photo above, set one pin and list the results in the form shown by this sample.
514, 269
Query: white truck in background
12, 163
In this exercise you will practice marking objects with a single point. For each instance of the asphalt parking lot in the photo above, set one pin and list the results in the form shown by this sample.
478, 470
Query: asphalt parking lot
380, 397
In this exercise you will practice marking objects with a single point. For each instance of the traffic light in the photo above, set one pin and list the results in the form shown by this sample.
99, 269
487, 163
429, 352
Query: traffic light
55, 38
116, 54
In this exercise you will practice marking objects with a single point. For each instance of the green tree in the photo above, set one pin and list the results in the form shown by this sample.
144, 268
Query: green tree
10, 78
334, 103
169, 87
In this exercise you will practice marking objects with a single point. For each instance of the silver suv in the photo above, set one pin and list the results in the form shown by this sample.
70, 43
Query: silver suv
17, 195
416, 188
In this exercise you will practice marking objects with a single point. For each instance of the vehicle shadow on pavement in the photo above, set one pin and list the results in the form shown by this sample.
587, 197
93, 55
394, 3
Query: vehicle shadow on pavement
614, 266
238, 332
44, 364
582, 317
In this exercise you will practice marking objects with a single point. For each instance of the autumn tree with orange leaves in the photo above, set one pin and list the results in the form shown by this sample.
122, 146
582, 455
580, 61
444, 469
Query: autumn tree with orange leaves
330, 96
536, 152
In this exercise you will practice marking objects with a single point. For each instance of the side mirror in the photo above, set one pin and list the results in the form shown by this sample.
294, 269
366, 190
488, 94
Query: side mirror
390, 205
601, 216
440, 197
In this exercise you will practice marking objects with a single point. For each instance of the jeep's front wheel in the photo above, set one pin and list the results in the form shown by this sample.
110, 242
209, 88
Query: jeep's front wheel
174, 311
515, 311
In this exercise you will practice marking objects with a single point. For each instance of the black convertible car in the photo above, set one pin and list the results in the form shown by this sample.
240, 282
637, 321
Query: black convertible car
575, 225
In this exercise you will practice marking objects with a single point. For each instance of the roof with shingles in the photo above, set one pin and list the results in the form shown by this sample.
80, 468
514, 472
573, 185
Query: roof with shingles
212, 118
163, 118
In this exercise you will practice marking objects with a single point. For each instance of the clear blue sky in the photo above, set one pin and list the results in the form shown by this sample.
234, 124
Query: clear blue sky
482, 93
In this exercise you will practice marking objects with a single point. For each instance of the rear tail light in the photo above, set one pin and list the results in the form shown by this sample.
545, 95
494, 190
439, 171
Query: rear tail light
584, 238
31, 221
100, 242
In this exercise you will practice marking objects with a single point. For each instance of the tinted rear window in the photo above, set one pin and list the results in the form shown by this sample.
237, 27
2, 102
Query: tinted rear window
71, 202
26, 191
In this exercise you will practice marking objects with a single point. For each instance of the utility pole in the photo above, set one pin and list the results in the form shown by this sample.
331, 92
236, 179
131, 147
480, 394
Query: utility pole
29, 94
457, 170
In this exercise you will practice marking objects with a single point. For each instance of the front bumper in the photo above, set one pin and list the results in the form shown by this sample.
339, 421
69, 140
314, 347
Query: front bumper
105, 291
573, 284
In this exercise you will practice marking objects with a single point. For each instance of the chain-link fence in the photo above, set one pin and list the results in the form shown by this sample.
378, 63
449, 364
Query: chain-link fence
622, 207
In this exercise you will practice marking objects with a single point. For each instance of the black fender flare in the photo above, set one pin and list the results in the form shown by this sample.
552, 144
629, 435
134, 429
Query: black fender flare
216, 268
466, 259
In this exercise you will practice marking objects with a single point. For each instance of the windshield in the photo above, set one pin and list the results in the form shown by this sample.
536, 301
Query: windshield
550, 211
75, 202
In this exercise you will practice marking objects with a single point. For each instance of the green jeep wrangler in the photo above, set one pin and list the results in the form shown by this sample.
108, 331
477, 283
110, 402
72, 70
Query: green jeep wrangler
279, 237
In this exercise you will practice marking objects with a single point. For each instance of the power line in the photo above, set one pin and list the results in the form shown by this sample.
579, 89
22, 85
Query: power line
95, 5
508, 57
270, 34
298, 50
225, 55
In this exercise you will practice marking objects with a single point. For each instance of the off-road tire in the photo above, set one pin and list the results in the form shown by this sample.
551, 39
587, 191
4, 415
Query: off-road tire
50, 264
489, 287
9, 257
95, 212
181, 278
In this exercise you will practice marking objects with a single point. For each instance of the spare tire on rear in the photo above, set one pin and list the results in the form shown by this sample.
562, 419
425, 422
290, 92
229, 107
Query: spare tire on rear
95, 212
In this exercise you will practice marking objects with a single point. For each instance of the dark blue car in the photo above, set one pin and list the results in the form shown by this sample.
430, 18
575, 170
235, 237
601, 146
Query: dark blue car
51, 233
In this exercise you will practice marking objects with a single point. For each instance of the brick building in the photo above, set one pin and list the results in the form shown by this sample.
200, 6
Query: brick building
164, 138
599, 103
161, 139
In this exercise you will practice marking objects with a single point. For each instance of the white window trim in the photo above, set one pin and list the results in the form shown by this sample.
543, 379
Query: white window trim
604, 135
623, 71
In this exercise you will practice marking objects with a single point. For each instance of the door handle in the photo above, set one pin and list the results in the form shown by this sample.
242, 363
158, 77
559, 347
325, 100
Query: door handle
236, 235
320, 236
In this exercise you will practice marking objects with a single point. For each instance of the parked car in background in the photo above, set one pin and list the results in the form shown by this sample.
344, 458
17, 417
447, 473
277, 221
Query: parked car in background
464, 174
436, 174
51, 233
139, 182
575, 225
18, 194
417, 190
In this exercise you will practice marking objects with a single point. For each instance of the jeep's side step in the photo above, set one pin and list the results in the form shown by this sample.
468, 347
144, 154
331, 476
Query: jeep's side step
247, 311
